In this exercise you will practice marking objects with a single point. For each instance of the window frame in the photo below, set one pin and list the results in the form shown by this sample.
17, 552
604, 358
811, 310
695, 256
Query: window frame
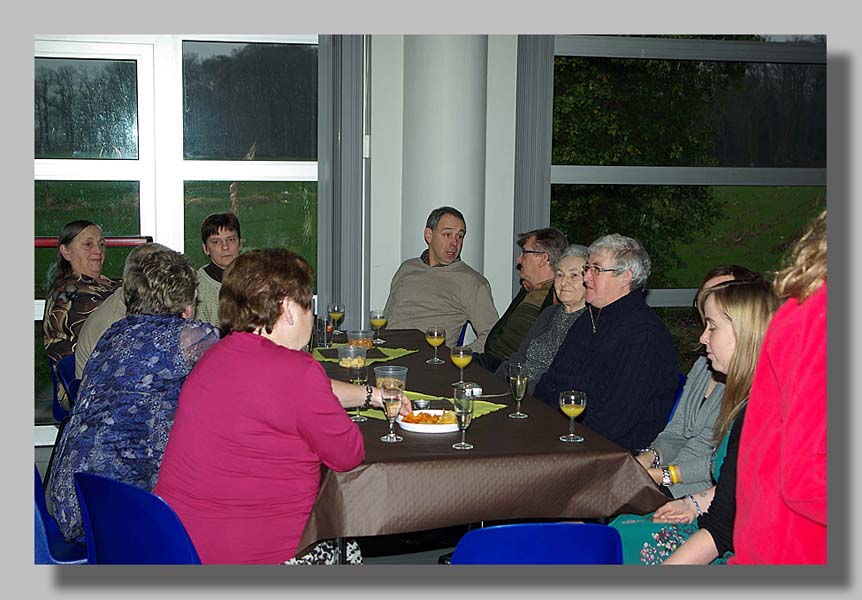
597, 46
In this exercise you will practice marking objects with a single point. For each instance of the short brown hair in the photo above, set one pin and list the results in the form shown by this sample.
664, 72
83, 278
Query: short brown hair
548, 239
255, 284
215, 222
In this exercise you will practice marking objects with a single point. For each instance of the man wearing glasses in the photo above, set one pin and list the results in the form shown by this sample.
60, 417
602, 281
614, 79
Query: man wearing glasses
620, 353
540, 251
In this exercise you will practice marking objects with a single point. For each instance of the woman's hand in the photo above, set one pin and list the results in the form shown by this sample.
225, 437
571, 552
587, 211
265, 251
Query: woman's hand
655, 474
681, 510
377, 401
646, 459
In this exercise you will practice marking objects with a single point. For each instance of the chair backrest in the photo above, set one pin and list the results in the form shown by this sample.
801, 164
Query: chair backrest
679, 388
126, 525
59, 412
50, 548
462, 333
540, 544
66, 373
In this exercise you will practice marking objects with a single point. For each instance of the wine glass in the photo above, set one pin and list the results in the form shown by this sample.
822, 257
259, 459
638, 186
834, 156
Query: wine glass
518, 378
435, 336
572, 403
461, 357
463, 401
378, 321
391, 408
336, 313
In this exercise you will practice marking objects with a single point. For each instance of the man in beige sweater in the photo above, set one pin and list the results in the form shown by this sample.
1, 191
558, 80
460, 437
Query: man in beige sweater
438, 288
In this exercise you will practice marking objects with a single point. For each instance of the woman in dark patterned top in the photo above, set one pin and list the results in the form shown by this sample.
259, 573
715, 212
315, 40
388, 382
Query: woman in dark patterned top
78, 286
125, 408
542, 341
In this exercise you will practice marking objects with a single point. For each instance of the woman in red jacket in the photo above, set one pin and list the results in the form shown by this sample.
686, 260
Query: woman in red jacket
781, 491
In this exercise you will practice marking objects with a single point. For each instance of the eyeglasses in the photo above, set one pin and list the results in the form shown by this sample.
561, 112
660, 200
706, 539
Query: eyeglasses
596, 270
531, 251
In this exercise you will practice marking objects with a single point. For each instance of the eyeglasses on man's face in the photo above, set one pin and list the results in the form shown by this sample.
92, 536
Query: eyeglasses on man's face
523, 252
596, 270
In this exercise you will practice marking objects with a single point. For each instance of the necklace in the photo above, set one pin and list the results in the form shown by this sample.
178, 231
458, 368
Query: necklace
592, 320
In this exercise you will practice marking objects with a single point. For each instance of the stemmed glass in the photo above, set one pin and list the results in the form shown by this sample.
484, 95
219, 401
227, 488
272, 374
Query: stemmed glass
391, 408
463, 401
336, 313
378, 320
518, 384
435, 336
461, 357
572, 403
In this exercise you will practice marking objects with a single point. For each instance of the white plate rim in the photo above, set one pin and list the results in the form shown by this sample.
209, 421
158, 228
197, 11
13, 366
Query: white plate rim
427, 427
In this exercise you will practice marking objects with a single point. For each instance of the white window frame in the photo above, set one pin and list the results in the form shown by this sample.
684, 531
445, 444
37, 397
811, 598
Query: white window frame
160, 168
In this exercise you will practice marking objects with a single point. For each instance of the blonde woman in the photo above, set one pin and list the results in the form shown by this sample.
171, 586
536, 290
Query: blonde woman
736, 314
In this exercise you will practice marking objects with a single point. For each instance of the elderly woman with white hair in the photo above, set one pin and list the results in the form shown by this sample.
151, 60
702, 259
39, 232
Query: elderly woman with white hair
542, 341
620, 353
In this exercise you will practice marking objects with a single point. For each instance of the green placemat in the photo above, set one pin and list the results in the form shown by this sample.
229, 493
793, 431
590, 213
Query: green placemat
388, 354
480, 407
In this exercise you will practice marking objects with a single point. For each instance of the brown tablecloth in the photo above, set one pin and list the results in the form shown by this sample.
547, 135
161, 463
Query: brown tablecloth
517, 468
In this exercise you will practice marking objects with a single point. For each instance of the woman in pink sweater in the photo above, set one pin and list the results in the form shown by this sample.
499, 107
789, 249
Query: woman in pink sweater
781, 490
256, 419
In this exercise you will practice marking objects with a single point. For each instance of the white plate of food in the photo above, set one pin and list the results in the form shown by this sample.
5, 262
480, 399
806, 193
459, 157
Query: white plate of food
429, 421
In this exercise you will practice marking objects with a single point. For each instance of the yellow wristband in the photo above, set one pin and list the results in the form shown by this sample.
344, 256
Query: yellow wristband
673, 474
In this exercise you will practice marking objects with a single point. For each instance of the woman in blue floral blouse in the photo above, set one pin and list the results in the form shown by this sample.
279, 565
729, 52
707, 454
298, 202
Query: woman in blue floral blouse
125, 408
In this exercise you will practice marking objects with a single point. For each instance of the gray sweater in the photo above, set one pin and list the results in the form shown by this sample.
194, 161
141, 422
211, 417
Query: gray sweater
421, 296
687, 440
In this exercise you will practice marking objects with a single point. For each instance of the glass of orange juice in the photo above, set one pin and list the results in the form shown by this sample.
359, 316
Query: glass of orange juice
572, 403
435, 336
378, 321
461, 357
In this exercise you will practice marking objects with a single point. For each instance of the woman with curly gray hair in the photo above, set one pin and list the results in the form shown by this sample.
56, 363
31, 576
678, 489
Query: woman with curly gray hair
131, 383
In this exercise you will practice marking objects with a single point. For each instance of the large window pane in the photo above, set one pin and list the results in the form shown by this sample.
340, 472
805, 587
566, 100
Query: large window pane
271, 214
112, 205
249, 101
634, 112
86, 108
688, 230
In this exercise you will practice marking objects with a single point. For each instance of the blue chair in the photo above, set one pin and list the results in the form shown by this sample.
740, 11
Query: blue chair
462, 333
126, 525
540, 544
60, 413
50, 547
679, 388
66, 373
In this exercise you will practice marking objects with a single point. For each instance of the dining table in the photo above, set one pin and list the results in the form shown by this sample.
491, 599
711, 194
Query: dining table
517, 468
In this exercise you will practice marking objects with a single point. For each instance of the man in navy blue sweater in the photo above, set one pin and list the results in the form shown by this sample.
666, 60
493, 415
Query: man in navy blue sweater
620, 353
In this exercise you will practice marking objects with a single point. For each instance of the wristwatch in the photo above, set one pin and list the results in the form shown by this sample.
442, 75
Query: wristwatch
369, 391
665, 476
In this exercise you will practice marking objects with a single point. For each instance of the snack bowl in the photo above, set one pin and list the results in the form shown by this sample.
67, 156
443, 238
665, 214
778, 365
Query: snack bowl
362, 338
351, 356
428, 427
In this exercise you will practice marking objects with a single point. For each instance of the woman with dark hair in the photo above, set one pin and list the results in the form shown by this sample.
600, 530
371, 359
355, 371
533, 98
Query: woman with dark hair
130, 386
257, 419
78, 286
687, 443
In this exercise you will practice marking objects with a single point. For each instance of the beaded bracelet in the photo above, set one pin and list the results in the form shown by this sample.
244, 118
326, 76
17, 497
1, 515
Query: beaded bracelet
696, 505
